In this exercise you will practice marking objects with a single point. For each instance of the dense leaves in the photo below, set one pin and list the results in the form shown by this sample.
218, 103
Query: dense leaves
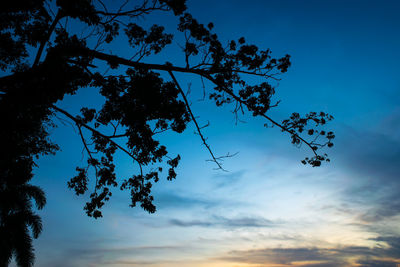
296, 125
43, 60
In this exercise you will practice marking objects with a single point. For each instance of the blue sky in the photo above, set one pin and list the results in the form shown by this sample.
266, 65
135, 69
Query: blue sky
269, 209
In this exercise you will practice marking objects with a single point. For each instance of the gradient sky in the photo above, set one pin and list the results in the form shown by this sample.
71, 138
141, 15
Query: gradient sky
269, 209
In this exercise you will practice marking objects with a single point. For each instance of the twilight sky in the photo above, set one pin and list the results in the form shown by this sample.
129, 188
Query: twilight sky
269, 209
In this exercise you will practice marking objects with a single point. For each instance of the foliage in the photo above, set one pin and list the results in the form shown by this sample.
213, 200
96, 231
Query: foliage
43, 60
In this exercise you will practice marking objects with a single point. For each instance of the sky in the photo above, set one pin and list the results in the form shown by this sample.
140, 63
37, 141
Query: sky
268, 209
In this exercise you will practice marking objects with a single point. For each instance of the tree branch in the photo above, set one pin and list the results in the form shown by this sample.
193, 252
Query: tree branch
238, 99
169, 68
195, 122
81, 124
89, 153
130, 63
45, 40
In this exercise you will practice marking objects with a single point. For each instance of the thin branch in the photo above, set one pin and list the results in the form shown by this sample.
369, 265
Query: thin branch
209, 77
255, 73
89, 153
79, 122
117, 135
204, 89
103, 5
228, 155
271, 76
169, 68
131, 13
194, 120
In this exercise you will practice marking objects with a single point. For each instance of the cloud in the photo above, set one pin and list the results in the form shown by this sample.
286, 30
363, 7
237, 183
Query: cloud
129, 263
219, 221
373, 155
285, 256
386, 207
325, 264
227, 179
169, 200
377, 263
372, 160
391, 124
394, 245
324, 257
177, 222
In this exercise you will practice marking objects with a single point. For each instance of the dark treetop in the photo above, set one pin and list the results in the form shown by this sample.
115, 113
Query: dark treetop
42, 61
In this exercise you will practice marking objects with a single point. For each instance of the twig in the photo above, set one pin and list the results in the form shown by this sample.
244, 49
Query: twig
89, 153
209, 77
195, 122
79, 122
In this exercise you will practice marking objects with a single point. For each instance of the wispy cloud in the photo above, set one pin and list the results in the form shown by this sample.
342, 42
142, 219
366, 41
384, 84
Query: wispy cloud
219, 221
226, 179
170, 200
372, 159
388, 206
378, 263
379, 255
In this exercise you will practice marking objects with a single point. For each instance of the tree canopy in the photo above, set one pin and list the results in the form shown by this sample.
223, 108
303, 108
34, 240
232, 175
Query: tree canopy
42, 60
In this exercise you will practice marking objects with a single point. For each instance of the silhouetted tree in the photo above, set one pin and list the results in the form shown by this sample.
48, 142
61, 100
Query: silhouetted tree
43, 59
16, 217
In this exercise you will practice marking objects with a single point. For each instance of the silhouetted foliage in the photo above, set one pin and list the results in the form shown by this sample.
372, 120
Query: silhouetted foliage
43, 60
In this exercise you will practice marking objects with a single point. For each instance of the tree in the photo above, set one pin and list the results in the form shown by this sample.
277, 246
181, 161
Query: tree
16, 217
43, 60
